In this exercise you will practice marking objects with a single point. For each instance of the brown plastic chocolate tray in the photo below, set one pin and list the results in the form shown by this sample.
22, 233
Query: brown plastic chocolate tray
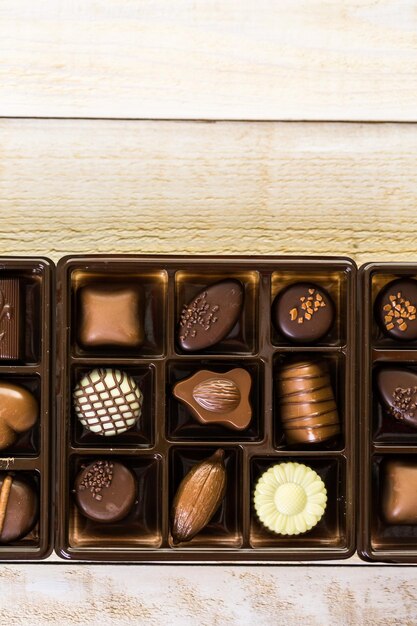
167, 442
29, 457
382, 438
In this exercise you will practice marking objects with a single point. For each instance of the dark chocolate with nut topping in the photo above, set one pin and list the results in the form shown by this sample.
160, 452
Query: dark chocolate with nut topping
303, 312
211, 315
396, 309
105, 491
398, 391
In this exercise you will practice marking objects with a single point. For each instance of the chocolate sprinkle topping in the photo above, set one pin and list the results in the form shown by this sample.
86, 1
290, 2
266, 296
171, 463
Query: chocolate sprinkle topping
404, 403
199, 316
98, 477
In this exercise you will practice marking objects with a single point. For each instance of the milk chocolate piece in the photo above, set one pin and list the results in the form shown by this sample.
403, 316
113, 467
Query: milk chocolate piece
18, 508
398, 391
396, 309
218, 398
303, 312
10, 316
110, 315
105, 491
307, 405
107, 401
399, 492
18, 412
211, 315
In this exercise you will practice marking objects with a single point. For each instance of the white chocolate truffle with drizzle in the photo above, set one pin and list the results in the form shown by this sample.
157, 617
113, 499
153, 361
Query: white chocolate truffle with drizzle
107, 401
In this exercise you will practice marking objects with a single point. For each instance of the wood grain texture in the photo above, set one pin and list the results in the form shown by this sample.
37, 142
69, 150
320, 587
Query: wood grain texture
175, 187
195, 596
270, 59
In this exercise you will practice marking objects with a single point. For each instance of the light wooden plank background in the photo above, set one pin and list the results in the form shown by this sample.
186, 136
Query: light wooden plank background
240, 59
120, 186
99, 185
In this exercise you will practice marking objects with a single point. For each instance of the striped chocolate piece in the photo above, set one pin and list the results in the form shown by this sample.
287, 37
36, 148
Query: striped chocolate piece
307, 405
107, 401
10, 319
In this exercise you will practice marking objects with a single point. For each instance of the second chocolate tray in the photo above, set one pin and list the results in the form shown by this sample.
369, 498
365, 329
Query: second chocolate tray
167, 440
388, 493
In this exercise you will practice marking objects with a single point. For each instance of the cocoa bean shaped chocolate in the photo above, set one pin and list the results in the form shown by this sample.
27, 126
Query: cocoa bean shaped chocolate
307, 406
198, 497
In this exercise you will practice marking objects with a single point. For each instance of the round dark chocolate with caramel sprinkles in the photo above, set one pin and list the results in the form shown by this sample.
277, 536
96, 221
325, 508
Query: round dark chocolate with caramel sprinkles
210, 316
303, 312
396, 309
105, 491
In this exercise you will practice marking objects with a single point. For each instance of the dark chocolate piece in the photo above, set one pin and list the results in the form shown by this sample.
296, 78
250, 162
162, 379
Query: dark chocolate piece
18, 412
107, 401
218, 398
396, 309
110, 315
303, 312
307, 405
399, 492
398, 391
105, 491
211, 315
18, 508
10, 314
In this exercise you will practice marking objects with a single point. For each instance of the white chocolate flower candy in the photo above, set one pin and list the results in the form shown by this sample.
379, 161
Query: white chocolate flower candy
290, 498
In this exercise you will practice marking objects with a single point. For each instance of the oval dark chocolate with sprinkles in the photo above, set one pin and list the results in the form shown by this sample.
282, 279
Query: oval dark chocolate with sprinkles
396, 309
210, 316
398, 391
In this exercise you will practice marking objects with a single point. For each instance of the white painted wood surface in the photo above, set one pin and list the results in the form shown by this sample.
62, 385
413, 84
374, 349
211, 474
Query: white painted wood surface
240, 59
269, 188
207, 596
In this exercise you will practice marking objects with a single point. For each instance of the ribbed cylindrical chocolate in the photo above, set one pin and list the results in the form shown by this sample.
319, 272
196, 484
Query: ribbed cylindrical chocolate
307, 405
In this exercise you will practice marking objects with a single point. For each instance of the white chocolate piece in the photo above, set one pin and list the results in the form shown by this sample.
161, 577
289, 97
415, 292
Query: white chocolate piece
107, 401
290, 498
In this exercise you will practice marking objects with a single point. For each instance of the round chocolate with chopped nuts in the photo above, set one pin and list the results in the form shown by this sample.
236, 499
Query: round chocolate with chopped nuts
105, 491
396, 309
303, 312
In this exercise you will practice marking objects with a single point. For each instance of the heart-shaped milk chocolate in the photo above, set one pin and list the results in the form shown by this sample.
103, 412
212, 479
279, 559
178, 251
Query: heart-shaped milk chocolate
18, 412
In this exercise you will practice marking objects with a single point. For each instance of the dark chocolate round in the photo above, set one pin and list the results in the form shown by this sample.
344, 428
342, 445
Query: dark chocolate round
211, 315
21, 509
396, 309
303, 312
105, 491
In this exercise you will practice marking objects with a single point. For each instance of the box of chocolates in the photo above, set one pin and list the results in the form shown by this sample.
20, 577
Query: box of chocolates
206, 408
26, 309
388, 472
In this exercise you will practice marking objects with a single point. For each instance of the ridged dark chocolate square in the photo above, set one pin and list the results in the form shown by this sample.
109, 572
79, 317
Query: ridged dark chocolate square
10, 319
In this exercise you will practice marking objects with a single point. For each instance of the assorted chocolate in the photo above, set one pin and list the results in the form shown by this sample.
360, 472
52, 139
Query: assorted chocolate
303, 312
307, 403
19, 412
210, 315
290, 498
205, 476
396, 309
107, 401
110, 315
105, 491
18, 508
214, 398
198, 497
11, 328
